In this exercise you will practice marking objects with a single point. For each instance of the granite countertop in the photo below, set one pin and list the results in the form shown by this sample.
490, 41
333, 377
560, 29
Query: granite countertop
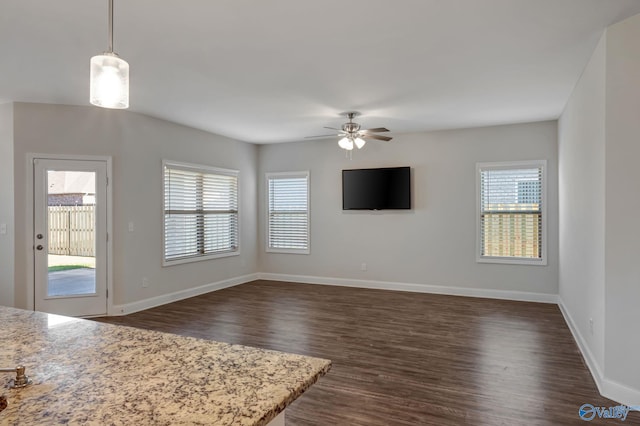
90, 373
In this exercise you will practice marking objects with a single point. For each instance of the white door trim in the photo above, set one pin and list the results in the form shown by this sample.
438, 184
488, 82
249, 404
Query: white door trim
30, 224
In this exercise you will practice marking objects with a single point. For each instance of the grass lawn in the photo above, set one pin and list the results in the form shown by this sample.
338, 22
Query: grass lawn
65, 267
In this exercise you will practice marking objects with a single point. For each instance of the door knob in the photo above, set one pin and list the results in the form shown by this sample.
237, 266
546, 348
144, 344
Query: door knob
39, 247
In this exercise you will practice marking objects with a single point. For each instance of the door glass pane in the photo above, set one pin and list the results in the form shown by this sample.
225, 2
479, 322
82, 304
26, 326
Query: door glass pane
71, 199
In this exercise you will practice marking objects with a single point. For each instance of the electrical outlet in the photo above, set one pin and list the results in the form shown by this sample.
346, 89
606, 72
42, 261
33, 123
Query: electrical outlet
363, 266
3, 228
145, 282
130, 226
591, 326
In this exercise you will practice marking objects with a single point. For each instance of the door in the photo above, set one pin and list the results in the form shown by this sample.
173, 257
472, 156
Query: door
70, 236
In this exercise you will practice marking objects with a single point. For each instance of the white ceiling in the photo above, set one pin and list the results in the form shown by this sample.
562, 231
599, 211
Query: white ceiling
279, 70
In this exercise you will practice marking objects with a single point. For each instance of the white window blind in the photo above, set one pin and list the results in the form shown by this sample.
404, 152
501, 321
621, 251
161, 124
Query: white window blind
200, 212
288, 212
512, 212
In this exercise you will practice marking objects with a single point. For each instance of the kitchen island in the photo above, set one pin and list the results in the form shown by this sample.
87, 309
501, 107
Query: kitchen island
90, 373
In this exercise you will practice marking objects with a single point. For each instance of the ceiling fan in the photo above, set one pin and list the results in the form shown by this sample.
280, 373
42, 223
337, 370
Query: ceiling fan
352, 135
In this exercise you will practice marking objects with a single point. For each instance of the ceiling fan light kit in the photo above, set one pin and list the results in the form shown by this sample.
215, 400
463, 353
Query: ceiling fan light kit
109, 77
348, 142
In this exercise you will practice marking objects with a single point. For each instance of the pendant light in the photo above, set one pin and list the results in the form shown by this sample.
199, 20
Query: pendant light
109, 82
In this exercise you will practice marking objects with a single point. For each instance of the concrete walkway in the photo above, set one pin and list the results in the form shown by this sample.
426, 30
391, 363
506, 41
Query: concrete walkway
72, 282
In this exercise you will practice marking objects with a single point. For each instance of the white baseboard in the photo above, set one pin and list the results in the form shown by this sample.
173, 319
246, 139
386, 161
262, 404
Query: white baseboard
620, 393
152, 302
607, 387
416, 288
590, 360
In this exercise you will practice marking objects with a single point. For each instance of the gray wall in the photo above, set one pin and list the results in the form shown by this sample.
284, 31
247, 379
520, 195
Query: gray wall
137, 144
434, 243
581, 147
622, 275
6, 205
599, 205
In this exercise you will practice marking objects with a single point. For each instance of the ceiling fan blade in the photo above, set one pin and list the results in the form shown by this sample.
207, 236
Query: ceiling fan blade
321, 136
376, 130
332, 128
378, 137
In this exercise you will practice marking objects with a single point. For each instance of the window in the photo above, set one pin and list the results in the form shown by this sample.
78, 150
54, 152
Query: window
512, 212
288, 212
200, 212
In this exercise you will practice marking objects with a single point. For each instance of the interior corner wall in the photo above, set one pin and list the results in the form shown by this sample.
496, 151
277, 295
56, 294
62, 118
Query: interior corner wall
434, 244
622, 291
137, 145
581, 179
7, 234
599, 202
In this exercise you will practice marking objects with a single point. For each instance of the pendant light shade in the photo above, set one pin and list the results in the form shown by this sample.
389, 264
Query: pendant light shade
359, 142
109, 79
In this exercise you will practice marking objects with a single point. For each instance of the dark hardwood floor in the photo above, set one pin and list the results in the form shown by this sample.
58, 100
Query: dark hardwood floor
402, 358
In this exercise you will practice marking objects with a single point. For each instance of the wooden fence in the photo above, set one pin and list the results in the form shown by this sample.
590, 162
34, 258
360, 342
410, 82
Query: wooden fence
517, 234
72, 230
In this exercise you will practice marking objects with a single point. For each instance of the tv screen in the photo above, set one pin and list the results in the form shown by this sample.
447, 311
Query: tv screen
376, 189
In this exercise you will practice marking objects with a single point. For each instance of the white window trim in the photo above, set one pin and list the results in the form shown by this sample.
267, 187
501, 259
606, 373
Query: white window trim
270, 175
512, 260
205, 169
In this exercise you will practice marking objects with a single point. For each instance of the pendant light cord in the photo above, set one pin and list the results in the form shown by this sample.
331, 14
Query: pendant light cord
110, 26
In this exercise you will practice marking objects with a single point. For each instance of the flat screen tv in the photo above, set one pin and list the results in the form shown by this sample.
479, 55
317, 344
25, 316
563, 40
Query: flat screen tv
377, 189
